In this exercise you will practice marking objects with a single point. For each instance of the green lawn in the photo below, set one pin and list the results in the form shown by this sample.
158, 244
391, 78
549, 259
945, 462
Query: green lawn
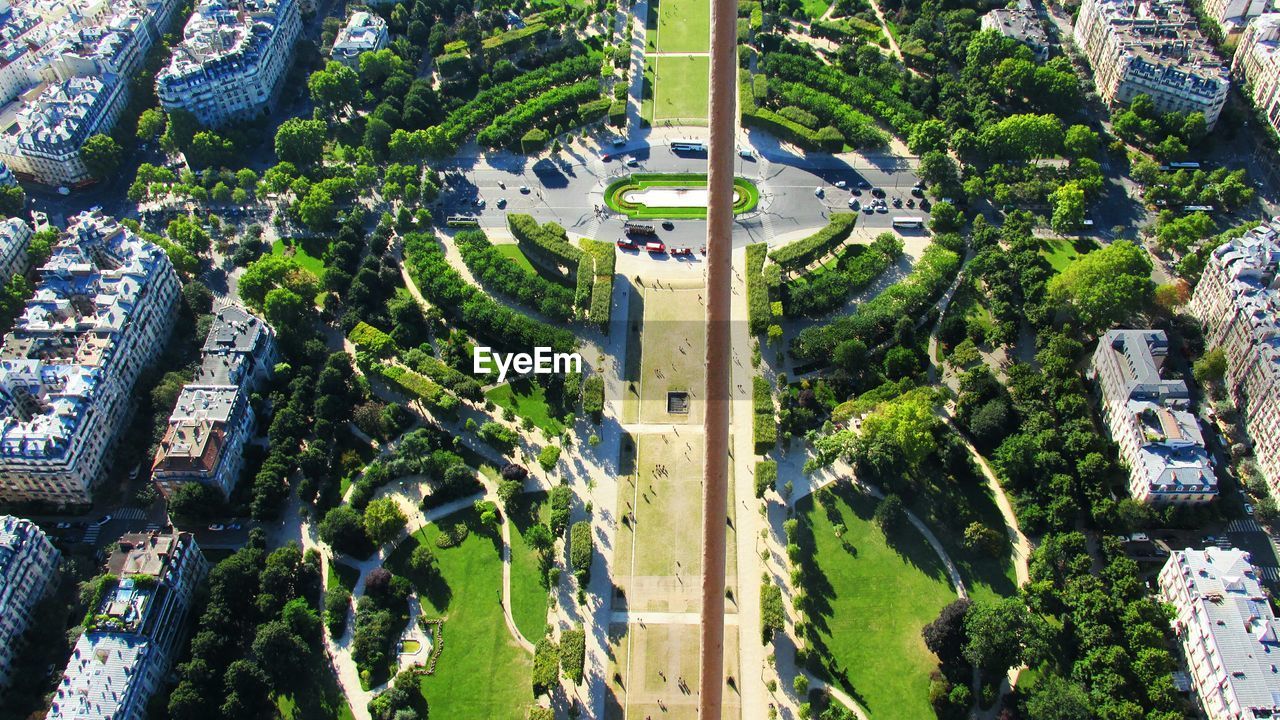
870, 602
815, 8
680, 87
307, 254
527, 399
482, 672
343, 575
1061, 252
322, 699
684, 26
513, 253
529, 595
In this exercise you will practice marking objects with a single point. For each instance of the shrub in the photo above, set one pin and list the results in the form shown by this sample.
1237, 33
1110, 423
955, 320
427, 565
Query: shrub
498, 435
580, 550
496, 271
337, 603
593, 396
548, 108
856, 267
573, 653
772, 613
764, 425
546, 666
370, 339
432, 395
548, 457
766, 476
534, 141
547, 244
801, 253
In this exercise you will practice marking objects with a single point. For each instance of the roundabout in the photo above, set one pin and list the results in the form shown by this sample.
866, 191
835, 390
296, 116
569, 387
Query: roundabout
656, 196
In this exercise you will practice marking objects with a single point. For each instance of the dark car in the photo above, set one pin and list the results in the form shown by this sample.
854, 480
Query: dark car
668, 225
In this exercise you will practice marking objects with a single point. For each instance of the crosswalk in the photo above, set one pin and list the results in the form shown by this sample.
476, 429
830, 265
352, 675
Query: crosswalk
94, 531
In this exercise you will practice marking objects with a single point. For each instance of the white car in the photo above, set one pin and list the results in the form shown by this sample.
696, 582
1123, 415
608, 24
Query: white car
502, 202
746, 153
632, 162
216, 527
102, 521
854, 204
817, 192
524, 189
842, 184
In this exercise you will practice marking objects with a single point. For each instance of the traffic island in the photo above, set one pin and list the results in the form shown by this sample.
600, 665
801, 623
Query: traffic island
672, 196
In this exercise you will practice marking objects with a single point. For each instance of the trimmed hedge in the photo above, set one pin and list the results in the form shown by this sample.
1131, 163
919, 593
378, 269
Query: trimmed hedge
483, 316
593, 396
764, 426
546, 666
603, 257
861, 93
534, 141
561, 501
580, 550
585, 279
858, 129
546, 244
573, 653
545, 110
511, 42
618, 113
594, 110
369, 338
801, 253
874, 319
497, 271
758, 314
432, 395
766, 476
453, 64
454, 381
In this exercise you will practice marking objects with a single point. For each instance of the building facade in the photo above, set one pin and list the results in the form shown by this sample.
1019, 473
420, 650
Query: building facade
28, 570
1160, 441
15, 238
1233, 15
213, 417
1257, 63
231, 60
55, 122
132, 639
102, 311
1238, 305
1228, 634
1154, 48
364, 32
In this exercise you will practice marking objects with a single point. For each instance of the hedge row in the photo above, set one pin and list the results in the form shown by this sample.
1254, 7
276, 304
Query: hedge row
369, 338
454, 381
586, 277
593, 396
545, 110
547, 244
484, 317
863, 93
766, 476
764, 427
758, 313
580, 550
453, 64
846, 30
432, 395
496, 270
874, 320
858, 129
561, 503
594, 110
603, 258
490, 103
512, 41
753, 91
799, 254
573, 653
820, 292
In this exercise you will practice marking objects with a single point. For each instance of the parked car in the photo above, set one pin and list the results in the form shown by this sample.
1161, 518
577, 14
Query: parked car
217, 528
841, 184
524, 189
64, 526
854, 204
817, 192
1248, 509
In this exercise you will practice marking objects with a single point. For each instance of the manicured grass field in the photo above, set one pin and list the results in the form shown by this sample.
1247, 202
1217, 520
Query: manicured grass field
529, 594
482, 671
513, 252
680, 87
307, 257
872, 599
746, 195
527, 400
674, 345
684, 26
1061, 252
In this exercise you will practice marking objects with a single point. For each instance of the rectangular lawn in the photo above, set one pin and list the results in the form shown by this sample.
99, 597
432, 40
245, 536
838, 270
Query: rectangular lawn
680, 87
684, 26
527, 400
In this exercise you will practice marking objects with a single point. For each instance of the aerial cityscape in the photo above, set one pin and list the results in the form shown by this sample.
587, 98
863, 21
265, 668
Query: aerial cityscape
639, 359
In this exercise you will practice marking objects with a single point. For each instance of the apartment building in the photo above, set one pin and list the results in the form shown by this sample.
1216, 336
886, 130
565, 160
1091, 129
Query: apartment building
1154, 48
1257, 63
1233, 15
1227, 631
102, 311
364, 32
28, 570
64, 76
1160, 440
1020, 23
1238, 305
232, 57
15, 238
131, 641
213, 417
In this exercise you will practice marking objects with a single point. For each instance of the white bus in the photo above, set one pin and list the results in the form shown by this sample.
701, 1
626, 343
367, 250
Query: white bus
688, 146
1197, 208
1181, 166
904, 221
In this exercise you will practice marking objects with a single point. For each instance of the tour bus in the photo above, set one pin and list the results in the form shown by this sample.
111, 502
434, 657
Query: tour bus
688, 146
1181, 166
1197, 208
639, 229
655, 247
904, 221
462, 221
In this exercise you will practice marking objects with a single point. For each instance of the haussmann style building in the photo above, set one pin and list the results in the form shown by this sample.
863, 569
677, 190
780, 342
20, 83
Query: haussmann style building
28, 571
